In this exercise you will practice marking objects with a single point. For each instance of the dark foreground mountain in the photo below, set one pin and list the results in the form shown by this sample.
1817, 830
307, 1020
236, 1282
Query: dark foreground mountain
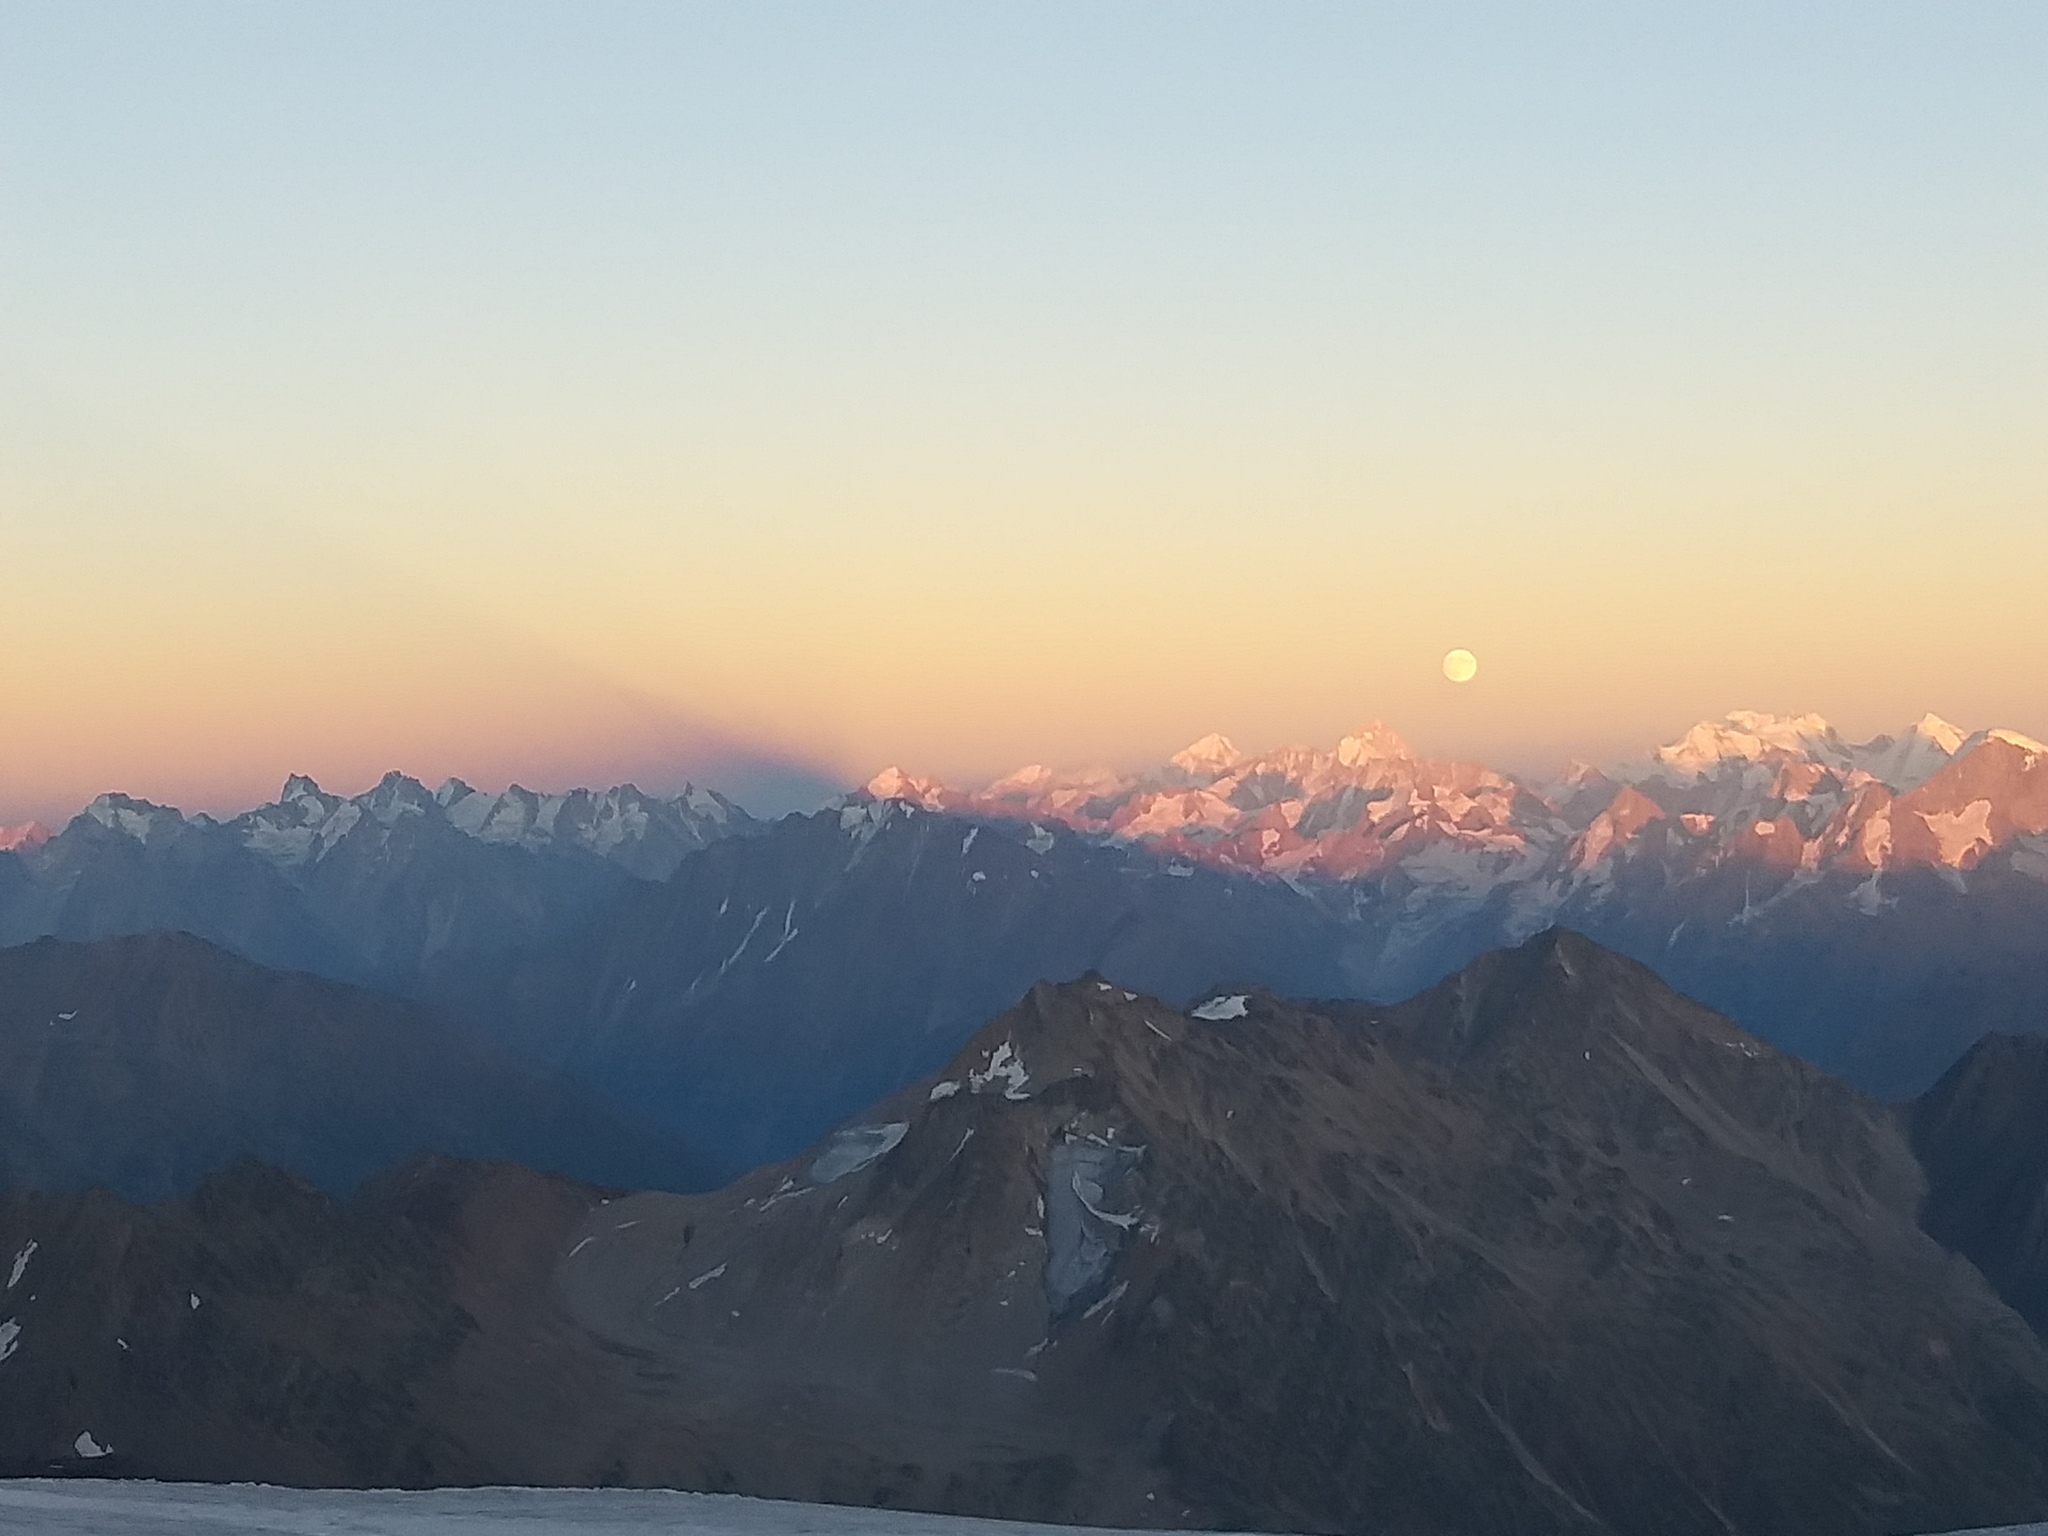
144, 1064
1545, 1249
1982, 1135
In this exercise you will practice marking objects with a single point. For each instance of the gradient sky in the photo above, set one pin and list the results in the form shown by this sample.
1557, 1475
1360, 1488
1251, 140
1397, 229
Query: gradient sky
772, 392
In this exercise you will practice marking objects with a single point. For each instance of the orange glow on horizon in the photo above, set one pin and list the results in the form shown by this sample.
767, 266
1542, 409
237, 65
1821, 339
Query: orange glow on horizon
994, 406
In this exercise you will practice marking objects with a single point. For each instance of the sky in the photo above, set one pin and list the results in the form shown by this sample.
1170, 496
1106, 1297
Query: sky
766, 393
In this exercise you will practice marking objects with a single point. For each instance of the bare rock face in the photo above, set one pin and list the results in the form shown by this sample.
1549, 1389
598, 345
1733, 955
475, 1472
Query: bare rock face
1547, 1248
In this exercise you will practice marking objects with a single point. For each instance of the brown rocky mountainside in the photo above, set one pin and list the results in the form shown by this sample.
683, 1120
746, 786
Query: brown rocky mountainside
1547, 1248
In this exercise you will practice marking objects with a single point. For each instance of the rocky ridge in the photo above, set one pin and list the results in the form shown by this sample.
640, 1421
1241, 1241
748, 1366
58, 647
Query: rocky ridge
645, 834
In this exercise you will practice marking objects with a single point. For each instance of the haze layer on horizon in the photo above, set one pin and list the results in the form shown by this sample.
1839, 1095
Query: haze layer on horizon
765, 394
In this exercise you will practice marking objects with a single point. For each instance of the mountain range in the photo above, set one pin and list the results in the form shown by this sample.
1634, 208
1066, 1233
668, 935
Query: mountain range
1545, 1248
379, 889
772, 986
1782, 792
776, 984
1875, 907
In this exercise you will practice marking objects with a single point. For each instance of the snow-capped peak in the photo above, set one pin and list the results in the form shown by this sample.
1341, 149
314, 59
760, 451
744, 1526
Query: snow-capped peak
139, 819
298, 787
28, 834
645, 834
2034, 751
1372, 742
1931, 727
1749, 736
710, 805
396, 796
892, 783
1028, 780
1915, 755
888, 784
1213, 754
452, 789
2026, 744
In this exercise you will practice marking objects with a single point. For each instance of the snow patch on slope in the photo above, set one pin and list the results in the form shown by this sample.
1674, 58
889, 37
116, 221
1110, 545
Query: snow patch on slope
855, 1148
1004, 1066
1958, 834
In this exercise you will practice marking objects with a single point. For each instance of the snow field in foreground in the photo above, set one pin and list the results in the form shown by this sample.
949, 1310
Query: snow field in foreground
88, 1507
83, 1507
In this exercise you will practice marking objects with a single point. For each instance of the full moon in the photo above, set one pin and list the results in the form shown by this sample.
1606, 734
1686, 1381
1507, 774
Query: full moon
1461, 666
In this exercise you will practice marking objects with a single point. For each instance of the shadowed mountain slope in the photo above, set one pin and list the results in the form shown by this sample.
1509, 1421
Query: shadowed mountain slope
129, 867
779, 983
1982, 1135
1546, 1249
144, 1064
379, 889
786, 976
1887, 993
261, 1330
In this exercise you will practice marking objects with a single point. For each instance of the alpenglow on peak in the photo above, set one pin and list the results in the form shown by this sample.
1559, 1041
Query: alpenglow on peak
1214, 753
